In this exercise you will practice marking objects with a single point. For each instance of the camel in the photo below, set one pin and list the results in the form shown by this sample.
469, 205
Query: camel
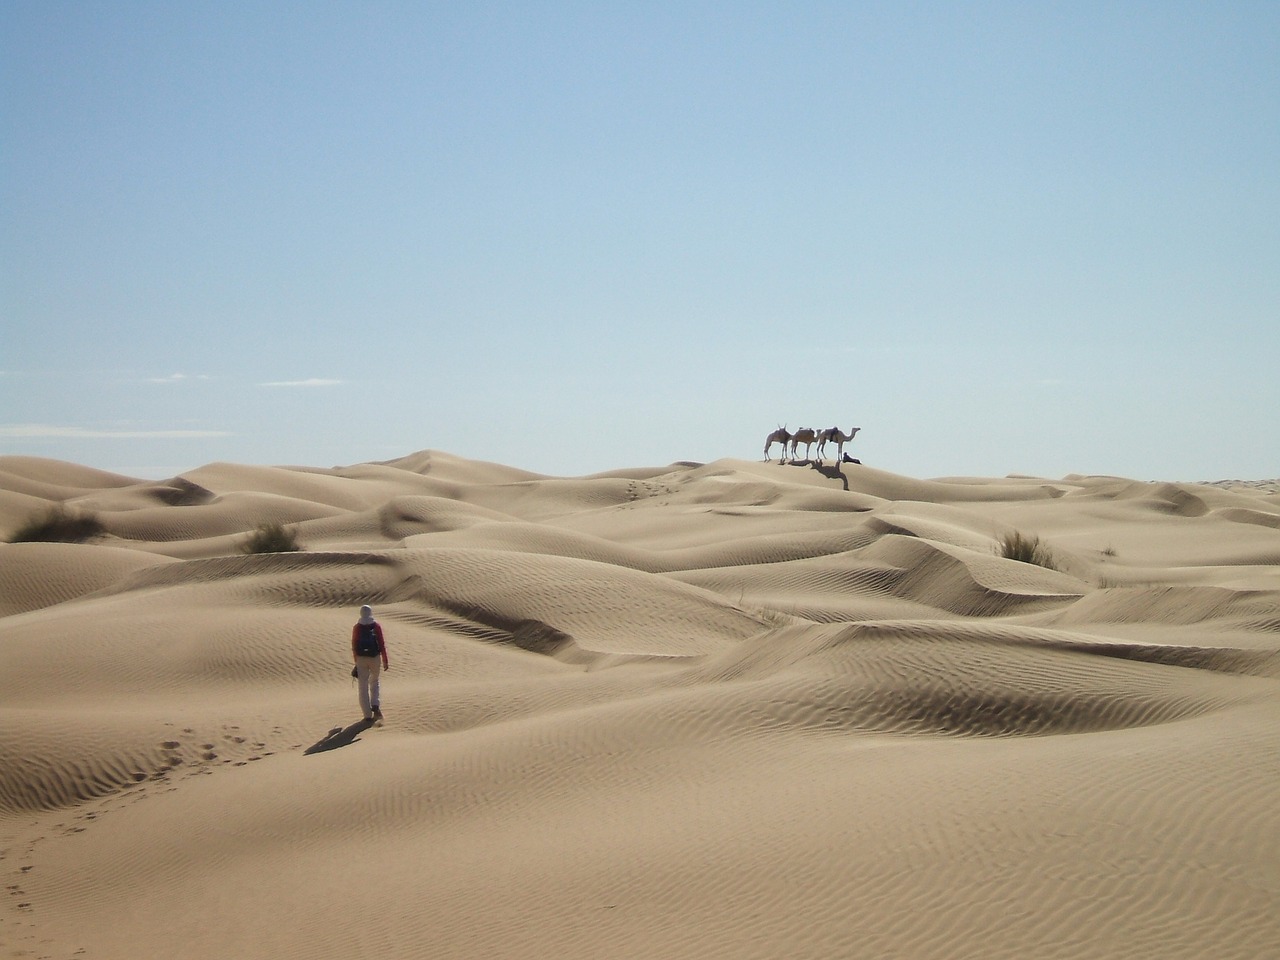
833, 435
782, 436
805, 435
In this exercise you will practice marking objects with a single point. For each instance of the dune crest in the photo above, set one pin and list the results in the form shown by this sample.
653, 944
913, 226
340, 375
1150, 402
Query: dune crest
717, 710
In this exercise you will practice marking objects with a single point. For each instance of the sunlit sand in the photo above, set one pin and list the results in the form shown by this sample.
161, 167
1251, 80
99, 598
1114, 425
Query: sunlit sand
732, 710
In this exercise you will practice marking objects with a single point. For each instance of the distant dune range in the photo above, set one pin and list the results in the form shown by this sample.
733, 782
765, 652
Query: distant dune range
726, 710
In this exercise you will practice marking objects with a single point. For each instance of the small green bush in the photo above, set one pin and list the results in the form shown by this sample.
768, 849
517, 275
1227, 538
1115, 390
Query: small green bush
57, 525
1015, 546
271, 538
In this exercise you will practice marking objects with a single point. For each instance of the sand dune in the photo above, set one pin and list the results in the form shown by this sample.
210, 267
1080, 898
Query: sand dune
725, 710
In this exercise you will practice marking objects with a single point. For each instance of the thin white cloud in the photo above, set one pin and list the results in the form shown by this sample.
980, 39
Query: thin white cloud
313, 382
30, 431
178, 378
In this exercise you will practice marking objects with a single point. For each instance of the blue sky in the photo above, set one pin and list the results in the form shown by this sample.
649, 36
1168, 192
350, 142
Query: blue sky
1000, 237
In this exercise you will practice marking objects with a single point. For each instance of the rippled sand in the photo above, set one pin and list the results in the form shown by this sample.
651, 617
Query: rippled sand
732, 710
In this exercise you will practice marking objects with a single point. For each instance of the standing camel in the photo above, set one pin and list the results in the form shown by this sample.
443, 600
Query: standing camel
805, 435
833, 435
782, 436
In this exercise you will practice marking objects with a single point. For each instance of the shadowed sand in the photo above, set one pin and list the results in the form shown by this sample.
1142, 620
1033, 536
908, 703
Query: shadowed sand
732, 710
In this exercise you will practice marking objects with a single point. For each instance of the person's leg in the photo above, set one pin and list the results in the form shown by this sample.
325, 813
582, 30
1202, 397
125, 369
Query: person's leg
362, 674
375, 684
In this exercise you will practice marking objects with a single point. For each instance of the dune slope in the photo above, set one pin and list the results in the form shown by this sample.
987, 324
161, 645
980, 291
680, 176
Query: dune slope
729, 710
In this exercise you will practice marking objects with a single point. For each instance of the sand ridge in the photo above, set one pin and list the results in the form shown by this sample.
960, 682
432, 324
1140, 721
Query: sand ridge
733, 709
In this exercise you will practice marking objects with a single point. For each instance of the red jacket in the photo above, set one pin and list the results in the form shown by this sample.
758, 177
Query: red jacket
377, 632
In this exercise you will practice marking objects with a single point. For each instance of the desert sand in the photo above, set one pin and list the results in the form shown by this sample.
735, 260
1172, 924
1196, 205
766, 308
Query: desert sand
723, 710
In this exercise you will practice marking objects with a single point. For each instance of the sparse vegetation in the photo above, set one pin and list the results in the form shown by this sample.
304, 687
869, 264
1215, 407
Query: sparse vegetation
1026, 549
58, 525
271, 537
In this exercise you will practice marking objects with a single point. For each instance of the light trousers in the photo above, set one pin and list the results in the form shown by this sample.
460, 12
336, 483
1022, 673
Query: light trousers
368, 677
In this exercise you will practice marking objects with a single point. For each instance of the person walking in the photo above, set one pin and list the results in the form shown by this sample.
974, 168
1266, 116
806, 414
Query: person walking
369, 651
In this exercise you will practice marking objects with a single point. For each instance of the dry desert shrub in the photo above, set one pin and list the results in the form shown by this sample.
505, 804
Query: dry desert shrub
1026, 549
58, 525
271, 537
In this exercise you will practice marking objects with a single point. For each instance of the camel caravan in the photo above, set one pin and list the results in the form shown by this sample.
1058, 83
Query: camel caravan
807, 437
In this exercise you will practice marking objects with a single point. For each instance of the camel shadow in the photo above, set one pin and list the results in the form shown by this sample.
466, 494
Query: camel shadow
832, 472
339, 737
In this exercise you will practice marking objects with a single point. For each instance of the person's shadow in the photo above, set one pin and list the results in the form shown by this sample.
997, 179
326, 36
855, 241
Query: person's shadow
339, 737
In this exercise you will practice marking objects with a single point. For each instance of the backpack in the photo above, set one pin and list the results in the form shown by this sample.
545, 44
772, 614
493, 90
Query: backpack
367, 640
